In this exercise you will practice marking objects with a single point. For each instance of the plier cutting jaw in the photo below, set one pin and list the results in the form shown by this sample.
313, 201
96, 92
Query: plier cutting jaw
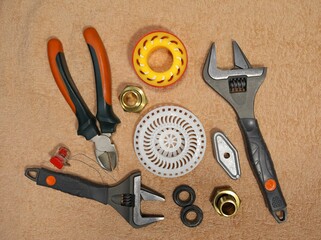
106, 154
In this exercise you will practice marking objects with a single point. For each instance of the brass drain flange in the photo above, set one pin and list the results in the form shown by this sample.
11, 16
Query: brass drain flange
226, 202
132, 99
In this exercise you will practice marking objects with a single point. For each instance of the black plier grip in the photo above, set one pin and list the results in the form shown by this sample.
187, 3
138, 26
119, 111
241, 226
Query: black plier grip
105, 115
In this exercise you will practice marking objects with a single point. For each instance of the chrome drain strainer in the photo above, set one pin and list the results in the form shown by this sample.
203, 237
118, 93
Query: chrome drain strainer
169, 141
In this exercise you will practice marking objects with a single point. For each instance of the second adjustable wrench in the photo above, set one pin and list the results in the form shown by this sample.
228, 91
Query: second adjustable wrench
125, 197
238, 87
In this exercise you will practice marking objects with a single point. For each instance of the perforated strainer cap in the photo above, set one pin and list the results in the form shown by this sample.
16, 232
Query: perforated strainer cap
169, 141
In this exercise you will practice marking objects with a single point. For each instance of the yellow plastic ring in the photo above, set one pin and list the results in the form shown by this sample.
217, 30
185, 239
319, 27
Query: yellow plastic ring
148, 44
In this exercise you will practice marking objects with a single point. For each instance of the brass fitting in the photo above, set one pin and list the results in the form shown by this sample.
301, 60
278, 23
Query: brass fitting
226, 202
132, 99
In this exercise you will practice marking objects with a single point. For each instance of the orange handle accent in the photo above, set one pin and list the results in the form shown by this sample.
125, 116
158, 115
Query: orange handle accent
92, 38
54, 48
270, 185
51, 180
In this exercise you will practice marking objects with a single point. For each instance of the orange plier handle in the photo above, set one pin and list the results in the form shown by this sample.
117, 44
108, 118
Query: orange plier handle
105, 115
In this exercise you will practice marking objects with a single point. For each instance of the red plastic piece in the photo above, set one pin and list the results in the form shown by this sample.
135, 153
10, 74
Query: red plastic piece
57, 162
60, 158
63, 152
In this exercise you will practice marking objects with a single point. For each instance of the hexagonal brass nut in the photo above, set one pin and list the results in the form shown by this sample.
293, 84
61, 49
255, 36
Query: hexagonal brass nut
226, 202
133, 99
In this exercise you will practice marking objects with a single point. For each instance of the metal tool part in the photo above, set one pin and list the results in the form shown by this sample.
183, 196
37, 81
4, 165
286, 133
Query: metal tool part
133, 99
191, 222
169, 141
189, 200
238, 87
226, 202
125, 197
226, 155
106, 154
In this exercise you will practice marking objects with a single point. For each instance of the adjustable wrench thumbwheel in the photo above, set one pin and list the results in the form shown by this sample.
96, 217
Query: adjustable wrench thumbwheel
238, 86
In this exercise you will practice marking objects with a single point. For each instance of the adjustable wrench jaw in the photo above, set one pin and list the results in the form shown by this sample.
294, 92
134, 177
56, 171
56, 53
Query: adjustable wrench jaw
238, 86
126, 198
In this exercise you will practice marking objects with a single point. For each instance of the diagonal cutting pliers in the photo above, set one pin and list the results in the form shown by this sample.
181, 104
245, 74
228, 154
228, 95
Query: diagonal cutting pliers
106, 154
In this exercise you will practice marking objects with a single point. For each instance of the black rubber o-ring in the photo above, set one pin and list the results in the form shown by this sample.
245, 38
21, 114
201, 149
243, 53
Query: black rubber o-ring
195, 222
184, 188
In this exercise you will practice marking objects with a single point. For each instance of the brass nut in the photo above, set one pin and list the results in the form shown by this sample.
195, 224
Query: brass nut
226, 202
132, 99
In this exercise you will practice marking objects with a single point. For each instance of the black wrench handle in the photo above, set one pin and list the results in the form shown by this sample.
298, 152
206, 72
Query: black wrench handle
263, 168
68, 184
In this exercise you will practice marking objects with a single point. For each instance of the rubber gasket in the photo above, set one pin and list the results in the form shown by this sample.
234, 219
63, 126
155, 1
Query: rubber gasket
184, 188
195, 222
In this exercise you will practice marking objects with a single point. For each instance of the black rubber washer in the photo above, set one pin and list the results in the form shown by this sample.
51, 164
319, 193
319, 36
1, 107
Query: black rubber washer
184, 188
195, 222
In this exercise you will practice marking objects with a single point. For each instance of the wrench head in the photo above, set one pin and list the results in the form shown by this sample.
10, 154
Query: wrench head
141, 193
238, 86
126, 199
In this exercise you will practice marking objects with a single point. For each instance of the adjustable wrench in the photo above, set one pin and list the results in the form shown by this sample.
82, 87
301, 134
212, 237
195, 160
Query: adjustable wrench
238, 87
124, 197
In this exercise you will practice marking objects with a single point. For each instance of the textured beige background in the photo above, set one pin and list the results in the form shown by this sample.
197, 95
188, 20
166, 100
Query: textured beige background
281, 35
